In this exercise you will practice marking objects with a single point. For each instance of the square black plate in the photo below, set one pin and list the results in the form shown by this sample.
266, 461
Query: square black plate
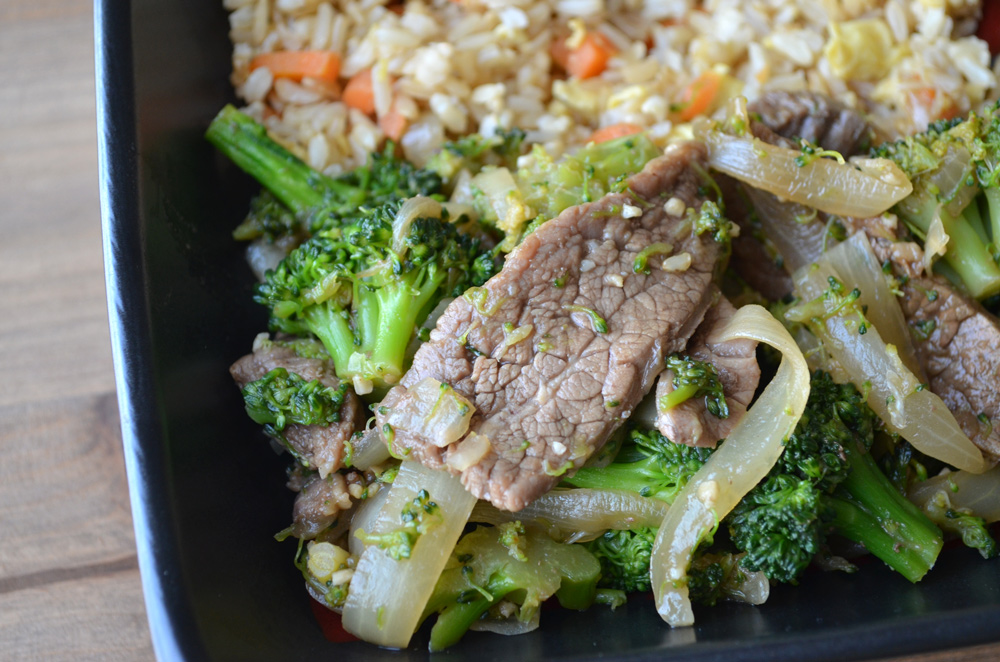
208, 493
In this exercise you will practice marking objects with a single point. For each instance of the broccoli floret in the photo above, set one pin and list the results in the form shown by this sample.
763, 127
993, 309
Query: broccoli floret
269, 219
641, 263
624, 558
835, 301
953, 168
713, 576
363, 291
826, 481
903, 465
415, 519
281, 398
709, 218
314, 200
779, 525
517, 203
512, 536
972, 530
693, 379
584, 176
481, 573
649, 464
307, 348
474, 151
906, 466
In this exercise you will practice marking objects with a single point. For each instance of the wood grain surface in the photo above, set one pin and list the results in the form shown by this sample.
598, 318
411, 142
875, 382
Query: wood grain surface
69, 580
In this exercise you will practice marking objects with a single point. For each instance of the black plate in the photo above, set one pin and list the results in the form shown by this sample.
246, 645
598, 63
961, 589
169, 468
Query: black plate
207, 491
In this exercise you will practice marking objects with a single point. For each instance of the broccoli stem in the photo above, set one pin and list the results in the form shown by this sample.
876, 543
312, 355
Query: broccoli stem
870, 511
401, 309
644, 477
385, 317
677, 396
454, 620
966, 251
286, 176
992, 194
333, 330
972, 216
968, 256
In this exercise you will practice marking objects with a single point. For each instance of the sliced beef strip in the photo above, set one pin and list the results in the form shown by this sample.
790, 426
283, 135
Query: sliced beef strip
958, 344
320, 501
757, 263
782, 118
548, 401
320, 446
735, 361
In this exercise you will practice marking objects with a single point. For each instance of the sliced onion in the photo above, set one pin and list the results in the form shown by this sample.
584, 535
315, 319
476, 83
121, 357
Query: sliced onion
468, 452
753, 590
502, 197
895, 394
856, 262
364, 517
437, 312
414, 208
573, 515
735, 468
951, 178
387, 596
936, 241
367, 451
510, 626
646, 413
432, 410
799, 243
861, 188
458, 209
263, 256
979, 493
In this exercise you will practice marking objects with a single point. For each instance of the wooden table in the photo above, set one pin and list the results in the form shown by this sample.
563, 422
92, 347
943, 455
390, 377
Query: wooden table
69, 581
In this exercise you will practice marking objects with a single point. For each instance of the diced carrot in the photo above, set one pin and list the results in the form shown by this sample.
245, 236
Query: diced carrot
615, 131
699, 95
359, 93
924, 105
322, 65
393, 125
588, 59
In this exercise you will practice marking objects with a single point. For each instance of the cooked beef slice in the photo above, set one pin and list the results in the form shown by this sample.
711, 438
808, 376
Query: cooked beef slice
784, 118
322, 448
958, 344
320, 501
753, 259
548, 399
735, 362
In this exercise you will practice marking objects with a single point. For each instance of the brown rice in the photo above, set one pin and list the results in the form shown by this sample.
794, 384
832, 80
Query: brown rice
455, 67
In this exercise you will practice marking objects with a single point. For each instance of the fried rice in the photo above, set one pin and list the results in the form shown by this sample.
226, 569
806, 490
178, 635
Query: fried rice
446, 68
